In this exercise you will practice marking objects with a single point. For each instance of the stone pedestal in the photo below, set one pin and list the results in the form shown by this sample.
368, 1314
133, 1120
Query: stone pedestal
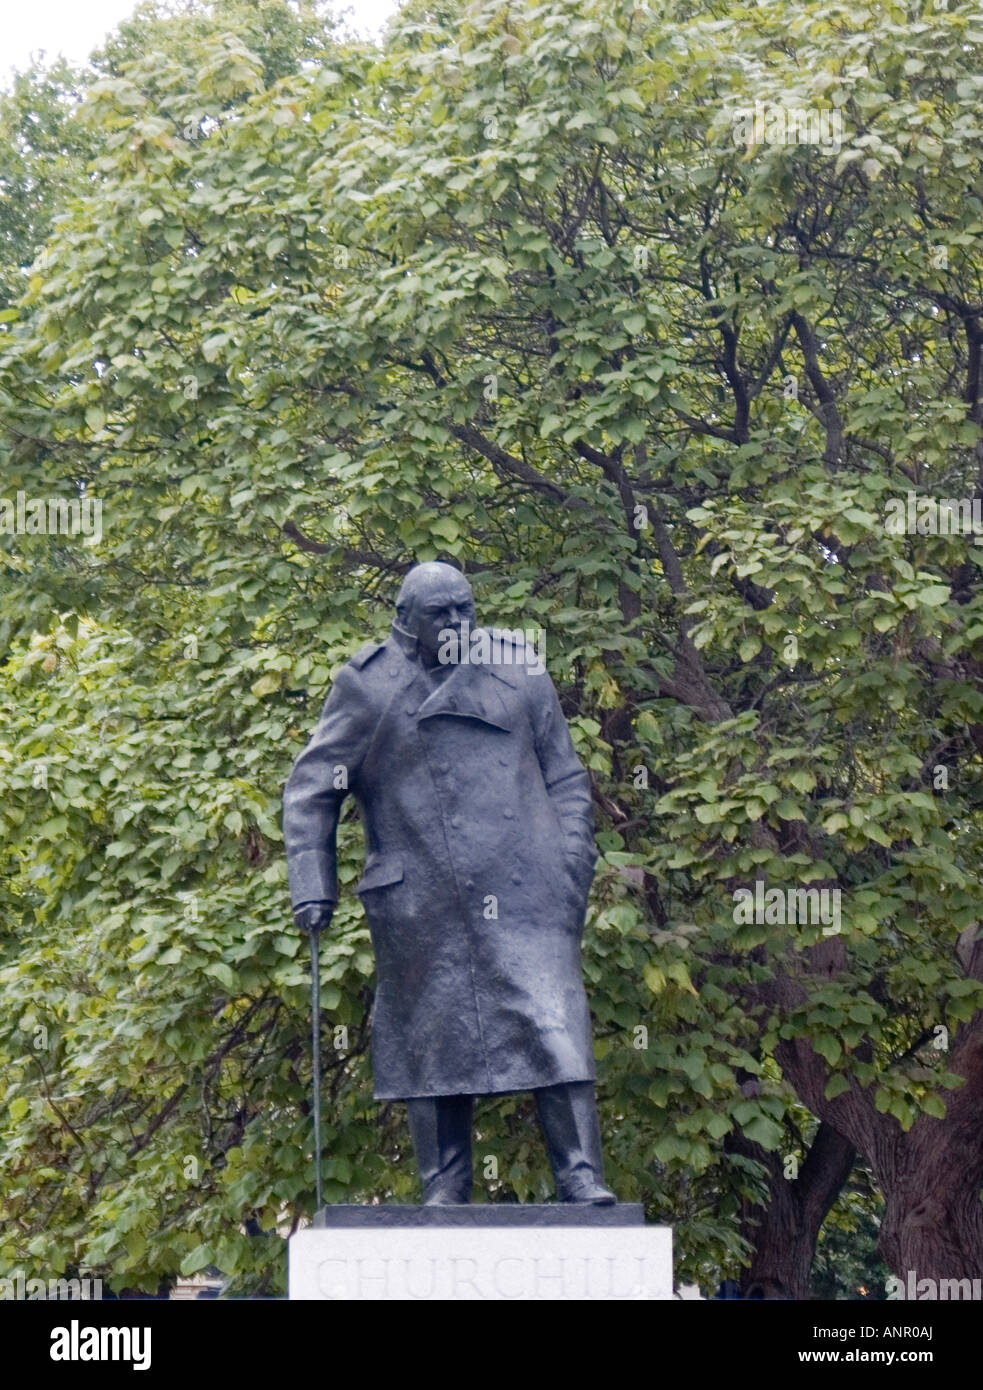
487, 1252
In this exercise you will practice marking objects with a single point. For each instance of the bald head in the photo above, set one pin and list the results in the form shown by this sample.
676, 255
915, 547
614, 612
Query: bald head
434, 599
432, 577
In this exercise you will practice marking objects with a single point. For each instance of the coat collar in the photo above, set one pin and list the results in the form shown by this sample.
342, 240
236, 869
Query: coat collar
471, 691
405, 641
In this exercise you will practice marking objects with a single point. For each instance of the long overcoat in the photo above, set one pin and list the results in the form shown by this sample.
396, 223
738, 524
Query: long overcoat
480, 855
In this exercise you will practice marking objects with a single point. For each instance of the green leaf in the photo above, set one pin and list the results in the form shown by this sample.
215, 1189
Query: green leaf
266, 684
196, 1260
933, 595
446, 528
829, 1047
224, 974
654, 978
763, 1131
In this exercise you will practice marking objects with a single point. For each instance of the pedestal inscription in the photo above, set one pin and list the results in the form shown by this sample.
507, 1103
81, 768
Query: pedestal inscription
384, 1257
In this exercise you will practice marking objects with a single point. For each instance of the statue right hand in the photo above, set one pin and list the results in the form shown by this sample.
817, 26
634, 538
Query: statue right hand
313, 917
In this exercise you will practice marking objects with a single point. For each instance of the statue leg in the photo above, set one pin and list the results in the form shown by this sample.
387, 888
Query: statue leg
568, 1117
441, 1130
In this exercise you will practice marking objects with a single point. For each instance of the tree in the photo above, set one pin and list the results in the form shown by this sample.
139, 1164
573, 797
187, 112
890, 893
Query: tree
514, 293
43, 151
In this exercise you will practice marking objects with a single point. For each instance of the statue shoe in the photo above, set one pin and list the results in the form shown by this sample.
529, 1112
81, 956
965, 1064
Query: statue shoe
587, 1192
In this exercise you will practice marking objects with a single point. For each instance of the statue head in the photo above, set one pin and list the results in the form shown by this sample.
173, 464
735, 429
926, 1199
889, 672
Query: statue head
434, 599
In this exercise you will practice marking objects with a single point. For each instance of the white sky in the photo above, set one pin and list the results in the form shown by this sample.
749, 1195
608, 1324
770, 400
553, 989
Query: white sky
75, 27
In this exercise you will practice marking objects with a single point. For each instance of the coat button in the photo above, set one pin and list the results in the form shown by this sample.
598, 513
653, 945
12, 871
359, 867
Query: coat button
410, 709
455, 822
443, 767
517, 878
469, 883
509, 815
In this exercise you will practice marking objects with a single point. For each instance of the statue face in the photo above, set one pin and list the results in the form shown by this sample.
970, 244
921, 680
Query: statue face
442, 606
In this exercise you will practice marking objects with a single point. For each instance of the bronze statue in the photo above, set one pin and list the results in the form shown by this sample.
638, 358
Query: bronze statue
480, 855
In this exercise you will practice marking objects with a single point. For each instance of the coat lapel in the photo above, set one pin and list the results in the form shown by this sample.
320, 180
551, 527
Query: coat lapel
469, 692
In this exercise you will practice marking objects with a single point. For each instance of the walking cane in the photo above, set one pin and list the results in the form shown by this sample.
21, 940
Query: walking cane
316, 1056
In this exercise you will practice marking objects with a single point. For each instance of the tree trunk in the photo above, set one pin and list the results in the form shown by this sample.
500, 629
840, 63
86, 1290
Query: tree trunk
784, 1232
933, 1221
930, 1177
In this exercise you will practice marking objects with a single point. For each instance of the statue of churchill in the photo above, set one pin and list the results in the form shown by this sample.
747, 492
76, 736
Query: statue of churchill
480, 855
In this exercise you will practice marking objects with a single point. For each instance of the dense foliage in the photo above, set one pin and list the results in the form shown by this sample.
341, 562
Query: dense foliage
505, 291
